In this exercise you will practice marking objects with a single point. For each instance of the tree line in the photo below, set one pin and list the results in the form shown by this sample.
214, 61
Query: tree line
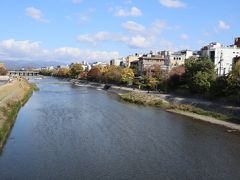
197, 76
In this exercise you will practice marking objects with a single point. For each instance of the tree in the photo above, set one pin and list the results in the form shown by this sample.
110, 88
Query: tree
112, 74
75, 70
127, 76
152, 83
200, 82
200, 74
63, 72
175, 78
3, 71
234, 82
94, 74
83, 75
220, 87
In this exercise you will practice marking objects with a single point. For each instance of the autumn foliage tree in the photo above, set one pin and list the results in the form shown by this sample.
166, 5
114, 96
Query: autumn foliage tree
75, 70
63, 72
112, 74
127, 76
176, 77
94, 74
3, 70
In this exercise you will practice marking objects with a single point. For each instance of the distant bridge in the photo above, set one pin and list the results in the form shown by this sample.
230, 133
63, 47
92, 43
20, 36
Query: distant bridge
23, 73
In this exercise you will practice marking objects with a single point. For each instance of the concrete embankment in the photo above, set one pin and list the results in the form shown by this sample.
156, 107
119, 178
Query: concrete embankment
13, 96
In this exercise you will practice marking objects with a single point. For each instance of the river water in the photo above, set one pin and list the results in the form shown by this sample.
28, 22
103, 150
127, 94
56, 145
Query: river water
68, 132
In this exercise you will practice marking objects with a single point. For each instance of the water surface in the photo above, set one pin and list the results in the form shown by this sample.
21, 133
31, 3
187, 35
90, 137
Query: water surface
67, 132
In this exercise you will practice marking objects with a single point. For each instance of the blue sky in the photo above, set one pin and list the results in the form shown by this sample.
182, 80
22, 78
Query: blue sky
74, 30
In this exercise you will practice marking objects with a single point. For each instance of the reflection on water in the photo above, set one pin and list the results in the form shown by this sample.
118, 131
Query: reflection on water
68, 132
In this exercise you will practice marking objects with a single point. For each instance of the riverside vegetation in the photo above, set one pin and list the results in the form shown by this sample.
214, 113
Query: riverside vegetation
197, 77
13, 96
156, 101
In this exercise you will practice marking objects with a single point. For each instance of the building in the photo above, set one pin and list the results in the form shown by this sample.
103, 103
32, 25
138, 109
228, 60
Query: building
176, 59
47, 68
149, 60
237, 42
86, 66
62, 66
118, 62
103, 64
222, 56
131, 58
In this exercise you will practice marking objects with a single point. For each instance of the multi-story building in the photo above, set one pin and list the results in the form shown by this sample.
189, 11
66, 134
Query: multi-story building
131, 58
103, 64
86, 66
176, 59
118, 62
222, 56
149, 60
237, 42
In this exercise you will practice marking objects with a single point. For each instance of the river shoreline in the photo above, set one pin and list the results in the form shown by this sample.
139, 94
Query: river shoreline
13, 96
143, 98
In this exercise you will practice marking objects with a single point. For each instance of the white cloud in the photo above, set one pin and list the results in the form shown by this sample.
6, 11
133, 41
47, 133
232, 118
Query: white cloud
26, 50
77, 1
134, 11
138, 42
133, 26
184, 37
102, 36
158, 26
138, 36
222, 25
36, 14
172, 3
85, 16
128, 2
132, 41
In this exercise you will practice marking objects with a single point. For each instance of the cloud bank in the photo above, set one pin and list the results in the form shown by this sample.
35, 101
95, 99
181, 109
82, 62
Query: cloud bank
12, 49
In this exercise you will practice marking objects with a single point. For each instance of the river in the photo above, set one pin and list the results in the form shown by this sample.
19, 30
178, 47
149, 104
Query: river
69, 132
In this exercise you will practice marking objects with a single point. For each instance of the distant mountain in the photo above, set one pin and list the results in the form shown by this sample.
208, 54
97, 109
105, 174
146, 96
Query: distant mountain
29, 64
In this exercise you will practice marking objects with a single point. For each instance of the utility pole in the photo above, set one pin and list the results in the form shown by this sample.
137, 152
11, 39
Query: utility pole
220, 62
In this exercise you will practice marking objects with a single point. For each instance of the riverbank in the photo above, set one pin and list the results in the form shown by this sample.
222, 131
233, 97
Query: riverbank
182, 109
13, 96
194, 108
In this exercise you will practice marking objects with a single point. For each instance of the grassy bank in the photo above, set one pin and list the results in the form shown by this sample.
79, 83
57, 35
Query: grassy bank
144, 99
200, 111
10, 111
153, 100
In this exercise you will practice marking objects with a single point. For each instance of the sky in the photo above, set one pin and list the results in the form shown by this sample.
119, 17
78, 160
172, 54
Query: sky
94, 30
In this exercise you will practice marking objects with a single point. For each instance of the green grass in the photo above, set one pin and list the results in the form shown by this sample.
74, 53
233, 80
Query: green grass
144, 99
11, 116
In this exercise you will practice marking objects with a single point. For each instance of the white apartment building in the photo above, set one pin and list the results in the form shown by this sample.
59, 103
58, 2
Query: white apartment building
118, 62
103, 64
221, 56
